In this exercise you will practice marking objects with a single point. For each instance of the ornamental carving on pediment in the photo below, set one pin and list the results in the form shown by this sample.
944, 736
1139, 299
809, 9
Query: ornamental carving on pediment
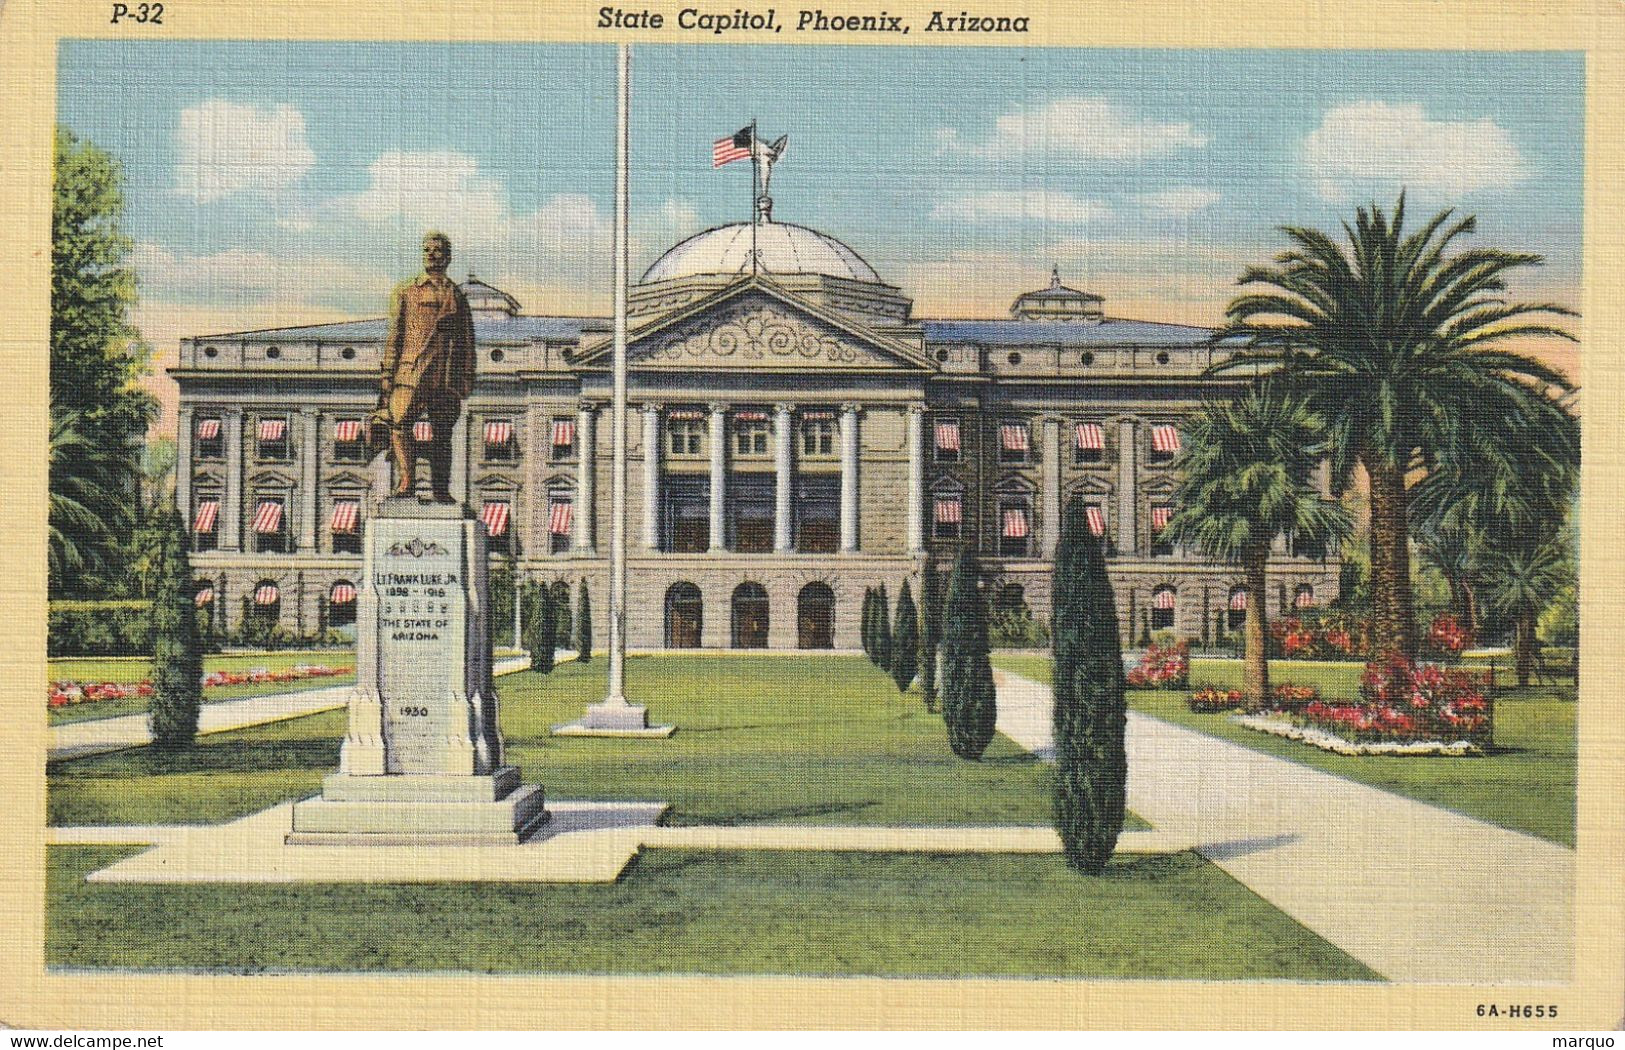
757, 332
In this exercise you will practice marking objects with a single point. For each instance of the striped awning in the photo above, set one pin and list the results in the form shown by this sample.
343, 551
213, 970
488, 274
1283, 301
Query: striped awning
948, 436
1013, 436
498, 432
684, 413
347, 430
1090, 436
209, 428
422, 431
558, 518
1160, 516
204, 595
818, 413
1164, 438
268, 516
495, 515
751, 416
1097, 520
208, 510
1305, 598
1015, 523
346, 516
343, 593
1238, 600
273, 429
266, 594
1164, 598
564, 432
949, 510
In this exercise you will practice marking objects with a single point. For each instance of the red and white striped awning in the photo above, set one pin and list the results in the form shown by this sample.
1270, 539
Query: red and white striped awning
1090, 436
266, 594
948, 436
564, 432
751, 416
347, 430
949, 510
273, 429
1015, 523
1305, 598
818, 413
1160, 516
207, 511
1164, 438
268, 516
1163, 598
204, 595
676, 413
346, 516
498, 432
1097, 520
558, 518
343, 593
1013, 436
208, 429
1238, 600
495, 516
422, 431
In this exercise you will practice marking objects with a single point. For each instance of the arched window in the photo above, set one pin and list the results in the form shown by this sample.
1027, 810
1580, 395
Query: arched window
1304, 598
684, 616
750, 616
265, 603
341, 604
815, 617
1237, 615
1164, 600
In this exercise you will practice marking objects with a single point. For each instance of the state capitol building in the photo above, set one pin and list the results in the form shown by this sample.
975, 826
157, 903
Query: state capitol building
796, 435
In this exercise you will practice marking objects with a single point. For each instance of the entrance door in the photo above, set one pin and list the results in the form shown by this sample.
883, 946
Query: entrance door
750, 616
815, 617
683, 612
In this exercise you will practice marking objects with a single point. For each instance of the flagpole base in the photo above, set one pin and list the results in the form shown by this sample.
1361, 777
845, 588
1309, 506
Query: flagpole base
615, 717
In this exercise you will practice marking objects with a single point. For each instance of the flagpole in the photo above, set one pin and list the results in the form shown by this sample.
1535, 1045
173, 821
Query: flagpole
755, 194
617, 543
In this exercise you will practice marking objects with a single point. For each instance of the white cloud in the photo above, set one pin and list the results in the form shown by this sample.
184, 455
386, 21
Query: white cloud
1371, 144
1078, 127
1029, 205
225, 148
1181, 200
245, 279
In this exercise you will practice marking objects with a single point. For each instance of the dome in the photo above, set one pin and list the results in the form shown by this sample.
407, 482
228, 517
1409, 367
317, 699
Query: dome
482, 296
781, 248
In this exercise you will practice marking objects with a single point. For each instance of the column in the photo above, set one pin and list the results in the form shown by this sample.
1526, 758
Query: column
783, 442
849, 478
1126, 495
183, 464
231, 506
459, 460
309, 444
651, 476
585, 468
916, 479
719, 475
1050, 450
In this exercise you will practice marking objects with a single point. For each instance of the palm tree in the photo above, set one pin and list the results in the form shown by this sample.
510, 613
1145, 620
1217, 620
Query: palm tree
1522, 581
1395, 340
1246, 481
1454, 552
86, 503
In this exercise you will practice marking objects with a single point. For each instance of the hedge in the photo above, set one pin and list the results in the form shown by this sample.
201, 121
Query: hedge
99, 628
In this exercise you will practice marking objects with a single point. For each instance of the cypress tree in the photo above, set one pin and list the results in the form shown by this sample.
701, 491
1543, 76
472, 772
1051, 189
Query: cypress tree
1091, 715
968, 703
905, 654
541, 623
563, 621
930, 631
177, 658
867, 626
1145, 628
882, 629
583, 623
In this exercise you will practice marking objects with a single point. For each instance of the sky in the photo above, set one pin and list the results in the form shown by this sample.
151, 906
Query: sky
281, 183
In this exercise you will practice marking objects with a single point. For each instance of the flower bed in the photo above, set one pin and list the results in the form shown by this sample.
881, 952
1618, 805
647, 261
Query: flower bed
68, 694
1284, 697
1323, 636
1162, 668
1329, 741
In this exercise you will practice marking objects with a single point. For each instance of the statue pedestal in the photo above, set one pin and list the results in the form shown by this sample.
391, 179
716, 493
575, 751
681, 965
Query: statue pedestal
422, 761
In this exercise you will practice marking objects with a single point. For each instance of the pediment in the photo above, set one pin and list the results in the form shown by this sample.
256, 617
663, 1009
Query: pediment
347, 478
494, 480
272, 477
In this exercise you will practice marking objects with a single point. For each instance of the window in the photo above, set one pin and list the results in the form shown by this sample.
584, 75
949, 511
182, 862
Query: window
500, 447
345, 526
685, 434
1237, 615
751, 433
347, 444
1164, 443
210, 444
946, 517
560, 518
1161, 514
1304, 597
273, 438
947, 440
1088, 443
564, 438
817, 510
1163, 602
818, 434
494, 513
1014, 441
205, 524
270, 525
1015, 529
341, 604
266, 607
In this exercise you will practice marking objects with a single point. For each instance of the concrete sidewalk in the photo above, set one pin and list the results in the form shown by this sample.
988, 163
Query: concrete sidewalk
101, 735
1416, 892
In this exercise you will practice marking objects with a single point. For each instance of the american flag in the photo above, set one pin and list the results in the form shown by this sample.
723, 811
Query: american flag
495, 516
346, 516
730, 148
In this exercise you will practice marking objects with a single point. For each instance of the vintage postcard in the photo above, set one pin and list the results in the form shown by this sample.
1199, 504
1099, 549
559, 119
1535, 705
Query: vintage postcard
662, 516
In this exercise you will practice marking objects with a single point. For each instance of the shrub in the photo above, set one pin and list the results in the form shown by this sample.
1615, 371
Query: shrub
1447, 636
583, 623
1320, 635
541, 622
883, 644
1162, 668
1436, 701
564, 628
905, 655
930, 632
1017, 629
867, 623
177, 661
969, 706
99, 628
1090, 712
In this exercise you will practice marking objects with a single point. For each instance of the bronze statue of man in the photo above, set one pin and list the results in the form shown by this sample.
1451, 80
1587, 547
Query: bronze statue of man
428, 368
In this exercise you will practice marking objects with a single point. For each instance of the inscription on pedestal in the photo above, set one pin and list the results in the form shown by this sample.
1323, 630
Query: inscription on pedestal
420, 621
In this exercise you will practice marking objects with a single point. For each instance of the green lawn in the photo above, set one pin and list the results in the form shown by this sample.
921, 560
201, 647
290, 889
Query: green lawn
714, 912
134, 669
1527, 783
